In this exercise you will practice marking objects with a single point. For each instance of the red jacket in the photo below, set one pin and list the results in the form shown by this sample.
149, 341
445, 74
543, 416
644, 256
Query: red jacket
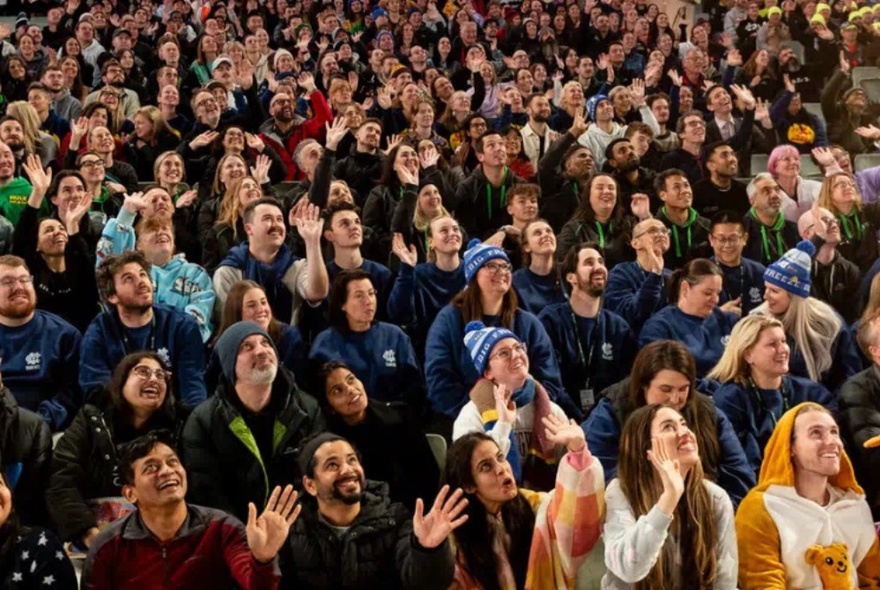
305, 129
209, 551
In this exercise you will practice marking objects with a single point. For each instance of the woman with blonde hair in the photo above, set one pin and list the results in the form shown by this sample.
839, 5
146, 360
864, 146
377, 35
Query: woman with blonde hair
859, 221
35, 141
571, 101
170, 173
756, 388
152, 136
340, 95
822, 347
228, 231
667, 526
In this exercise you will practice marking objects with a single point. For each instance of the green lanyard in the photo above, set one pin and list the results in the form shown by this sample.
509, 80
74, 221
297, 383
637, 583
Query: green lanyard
845, 221
692, 216
503, 200
765, 240
602, 232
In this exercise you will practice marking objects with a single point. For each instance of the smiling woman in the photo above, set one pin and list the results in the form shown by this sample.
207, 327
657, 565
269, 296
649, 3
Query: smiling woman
85, 489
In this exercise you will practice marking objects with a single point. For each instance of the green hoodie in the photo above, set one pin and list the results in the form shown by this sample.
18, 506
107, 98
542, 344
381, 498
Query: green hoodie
14, 198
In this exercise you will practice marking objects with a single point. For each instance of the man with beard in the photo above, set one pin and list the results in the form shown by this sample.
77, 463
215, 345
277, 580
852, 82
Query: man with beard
167, 538
363, 165
720, 190
350, 535
113, 75
14, 190
631, 177
133, 323
770, 234
560, 192
63, 103
40, 351
846, 110
637, 289
12, 134
254, 420
536, 134
594, 346
799, 75
285, 130
266, 258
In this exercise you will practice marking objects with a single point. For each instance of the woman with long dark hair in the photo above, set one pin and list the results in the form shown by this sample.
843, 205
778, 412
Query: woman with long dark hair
665, 372
667, 526
85, 489
517, 538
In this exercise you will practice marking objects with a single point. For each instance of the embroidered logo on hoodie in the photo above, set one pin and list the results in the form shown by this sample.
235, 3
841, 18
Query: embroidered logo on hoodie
33, 361
390, 358
607, 352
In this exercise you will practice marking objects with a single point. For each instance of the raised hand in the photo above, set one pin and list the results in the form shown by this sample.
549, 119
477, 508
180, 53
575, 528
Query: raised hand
818, 225
392, 143
674, 76
266, 534
868, 132
670, 475
734, 58
433, 528
744, 95
762, 110
71, 217
186, 199
336, 130
203, 140
384, 97
254, 142
640, 205
353, 81
260, 171
79, 129
561, 433
40, 179
580, 124
307, 81
825, 157
135, 202
789, 85
406, 176
504, 404
309, 223
637, 89
407, 255
245, 74
429, 157
602, 62
844, 63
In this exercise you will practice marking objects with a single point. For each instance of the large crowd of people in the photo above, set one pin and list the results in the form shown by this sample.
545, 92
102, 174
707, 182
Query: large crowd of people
392, 294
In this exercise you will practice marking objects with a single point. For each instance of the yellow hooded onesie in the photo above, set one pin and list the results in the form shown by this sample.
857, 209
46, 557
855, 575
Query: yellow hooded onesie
777, 530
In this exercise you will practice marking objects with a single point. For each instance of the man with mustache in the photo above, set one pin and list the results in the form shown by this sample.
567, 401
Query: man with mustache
631, 176
113, 75
267, 259
594, 346
254, 421
133, 322
39, 350
351, 536
770, 235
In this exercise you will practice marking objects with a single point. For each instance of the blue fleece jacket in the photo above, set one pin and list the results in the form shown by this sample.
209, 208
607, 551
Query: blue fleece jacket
535, 292
603, 432
40, 367
175, 337
754, 412
608, 337
705, 338
382, 358
270, 276
420, 293
635, 294
177, 283
745, 280
450, 372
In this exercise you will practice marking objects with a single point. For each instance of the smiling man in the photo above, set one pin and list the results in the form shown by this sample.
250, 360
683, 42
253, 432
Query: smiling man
254, 421
807, 509
167, 542
14, 190
133, 323
688, 231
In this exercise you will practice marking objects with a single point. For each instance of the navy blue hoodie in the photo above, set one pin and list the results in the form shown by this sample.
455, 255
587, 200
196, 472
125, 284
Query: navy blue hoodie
705, 338
634, 293
173, 335
746, 281
535, 292
270, 276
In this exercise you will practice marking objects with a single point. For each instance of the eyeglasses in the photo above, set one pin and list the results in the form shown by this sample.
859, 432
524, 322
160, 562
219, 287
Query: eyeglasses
506, 354
144, 373
497, 267
844, 184
654, 231
9, 282
695, 123
91, 164
207, 101
728, 240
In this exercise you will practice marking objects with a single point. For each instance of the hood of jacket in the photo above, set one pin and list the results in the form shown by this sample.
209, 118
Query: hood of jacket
777, 468
239, 257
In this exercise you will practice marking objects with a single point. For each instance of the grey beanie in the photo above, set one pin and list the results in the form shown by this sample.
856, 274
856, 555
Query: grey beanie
230, 341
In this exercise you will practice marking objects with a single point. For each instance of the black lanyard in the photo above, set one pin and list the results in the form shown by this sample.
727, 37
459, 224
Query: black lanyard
741, 281
585, 361
784, 390
126, 343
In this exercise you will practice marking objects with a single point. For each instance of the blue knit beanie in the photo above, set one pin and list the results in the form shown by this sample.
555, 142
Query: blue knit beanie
230, 341
479, 254
480, 341
792, 271
593, 103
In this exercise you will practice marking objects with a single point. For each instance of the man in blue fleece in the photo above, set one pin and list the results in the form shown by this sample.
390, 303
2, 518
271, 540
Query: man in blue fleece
594, 346
266, 259
39, 351
637, 289
743, 279
133, 323
177, 283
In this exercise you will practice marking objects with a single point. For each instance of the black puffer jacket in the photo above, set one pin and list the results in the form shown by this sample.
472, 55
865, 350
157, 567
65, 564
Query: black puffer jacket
859, 409
378, 551
222, 457
25, 454
85, 464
